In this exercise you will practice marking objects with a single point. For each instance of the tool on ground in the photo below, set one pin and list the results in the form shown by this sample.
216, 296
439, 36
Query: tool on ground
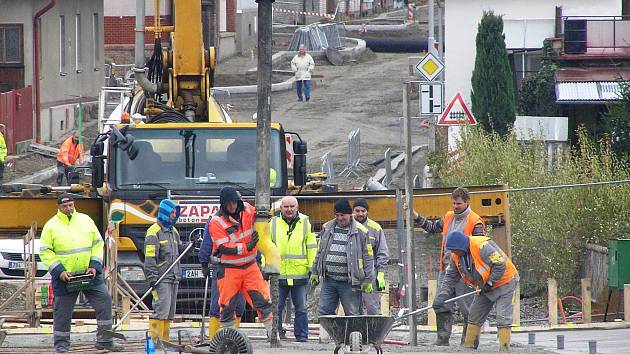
190, 245
203, 311
431, 306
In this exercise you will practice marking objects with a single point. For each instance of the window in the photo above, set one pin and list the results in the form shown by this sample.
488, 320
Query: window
96, 40
11, 51
62, 45
77, 43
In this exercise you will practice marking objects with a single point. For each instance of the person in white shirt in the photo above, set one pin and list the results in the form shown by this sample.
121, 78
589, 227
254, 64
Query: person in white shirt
302, 65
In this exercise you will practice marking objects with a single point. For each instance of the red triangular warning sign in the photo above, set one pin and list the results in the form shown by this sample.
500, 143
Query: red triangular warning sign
457, 113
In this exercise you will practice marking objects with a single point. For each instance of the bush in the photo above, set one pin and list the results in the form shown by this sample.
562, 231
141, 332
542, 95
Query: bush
616, 122
549, 228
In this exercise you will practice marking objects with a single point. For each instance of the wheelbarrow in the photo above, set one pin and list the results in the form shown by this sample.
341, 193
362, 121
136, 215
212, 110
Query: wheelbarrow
358, 332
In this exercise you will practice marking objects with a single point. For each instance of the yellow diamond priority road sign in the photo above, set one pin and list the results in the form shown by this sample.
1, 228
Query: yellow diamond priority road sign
430, 67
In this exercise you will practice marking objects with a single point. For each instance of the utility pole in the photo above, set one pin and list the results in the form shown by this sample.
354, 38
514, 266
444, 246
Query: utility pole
431, 24
263, 142
410, 256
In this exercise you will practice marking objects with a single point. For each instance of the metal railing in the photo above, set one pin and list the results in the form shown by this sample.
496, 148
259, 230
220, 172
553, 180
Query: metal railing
328, 168
354, 154
601, 32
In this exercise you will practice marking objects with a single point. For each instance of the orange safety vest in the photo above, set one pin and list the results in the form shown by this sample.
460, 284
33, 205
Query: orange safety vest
472, 220
225, 230
476, 244
69, 153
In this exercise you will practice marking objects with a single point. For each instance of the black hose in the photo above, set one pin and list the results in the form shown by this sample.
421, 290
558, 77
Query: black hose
155, 67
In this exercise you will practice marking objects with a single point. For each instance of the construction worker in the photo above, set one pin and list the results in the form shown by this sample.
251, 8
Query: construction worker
162, 246
481, 264
69, 154
463, 219
292, 233
71, 245
208, 268
344, 263
376, 235
234, 244
3, 150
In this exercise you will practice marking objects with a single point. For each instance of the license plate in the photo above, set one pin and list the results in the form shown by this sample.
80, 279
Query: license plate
192, 273
16, 265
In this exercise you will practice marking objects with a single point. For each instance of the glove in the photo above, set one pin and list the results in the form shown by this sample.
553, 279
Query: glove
367, 288
265, 276
205, 270
438, 303
486, 288
152, 284
314, 279
225, 250
380, 280
252, 243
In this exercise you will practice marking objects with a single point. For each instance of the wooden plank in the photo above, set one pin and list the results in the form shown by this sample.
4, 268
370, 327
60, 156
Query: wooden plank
586, 300
552, 301
125, 306
385, 302
516, 302
430, 296
626, 303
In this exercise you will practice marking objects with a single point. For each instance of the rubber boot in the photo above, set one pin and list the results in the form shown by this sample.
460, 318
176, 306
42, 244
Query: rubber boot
504, 339
155, 329
464, 328
472, 336
237, 322
444, 327
166, 330
213, 327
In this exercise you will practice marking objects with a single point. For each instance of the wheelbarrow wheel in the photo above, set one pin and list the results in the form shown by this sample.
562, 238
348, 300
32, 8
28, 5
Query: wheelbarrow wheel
356, 345
230, 341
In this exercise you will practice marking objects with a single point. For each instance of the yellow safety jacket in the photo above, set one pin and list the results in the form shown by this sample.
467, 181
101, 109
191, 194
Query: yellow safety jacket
297, 245
71, 245
3, 148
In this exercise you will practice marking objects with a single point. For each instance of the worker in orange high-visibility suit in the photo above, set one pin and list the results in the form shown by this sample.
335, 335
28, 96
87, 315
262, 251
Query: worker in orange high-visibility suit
69, 153
234, 244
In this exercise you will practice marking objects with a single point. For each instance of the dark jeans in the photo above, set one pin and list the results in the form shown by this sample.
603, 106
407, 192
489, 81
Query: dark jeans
1, 170
298, 297
307, 88
334, 291
62, 171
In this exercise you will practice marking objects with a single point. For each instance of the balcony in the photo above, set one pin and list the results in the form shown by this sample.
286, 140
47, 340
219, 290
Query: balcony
595, 37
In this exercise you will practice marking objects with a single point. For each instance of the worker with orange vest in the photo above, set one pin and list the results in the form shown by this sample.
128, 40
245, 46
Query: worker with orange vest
483, 265
463, 219
69, 153
234, 244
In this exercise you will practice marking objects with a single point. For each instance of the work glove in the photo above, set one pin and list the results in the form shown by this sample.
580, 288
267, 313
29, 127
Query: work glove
205, 270
265, 276
314, 279
252, 243
226, 250
438, 303
486, 288
367, 288
380, 280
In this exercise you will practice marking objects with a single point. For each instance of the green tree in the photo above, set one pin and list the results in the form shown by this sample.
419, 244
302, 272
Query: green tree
616, 122
538, 93
492, 95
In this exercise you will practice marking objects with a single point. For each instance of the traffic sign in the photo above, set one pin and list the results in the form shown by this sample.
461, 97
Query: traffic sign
430, 66
457, 113
431, 99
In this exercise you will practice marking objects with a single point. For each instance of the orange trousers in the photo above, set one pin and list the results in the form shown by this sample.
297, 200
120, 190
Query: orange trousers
250, 283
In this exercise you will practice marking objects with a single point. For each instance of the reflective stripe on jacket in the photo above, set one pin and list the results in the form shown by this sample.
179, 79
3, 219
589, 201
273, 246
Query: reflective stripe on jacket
229, 233
69, 153
379, 245
360, 255
161, 248
472, 220
71, 245
489, 261
3, 148
297, 248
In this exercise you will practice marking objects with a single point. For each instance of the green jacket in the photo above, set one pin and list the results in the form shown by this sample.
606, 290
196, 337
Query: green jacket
297, 244
71, 245
161, 248
3, 148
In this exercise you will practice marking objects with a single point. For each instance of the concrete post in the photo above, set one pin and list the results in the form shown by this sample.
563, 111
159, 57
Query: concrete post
432, 292
626, 302
552, 301
586, 300
516, 311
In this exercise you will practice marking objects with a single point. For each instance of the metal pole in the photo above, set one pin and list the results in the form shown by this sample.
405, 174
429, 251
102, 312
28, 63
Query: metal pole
411, 269
431, 39
400, 233
263, 130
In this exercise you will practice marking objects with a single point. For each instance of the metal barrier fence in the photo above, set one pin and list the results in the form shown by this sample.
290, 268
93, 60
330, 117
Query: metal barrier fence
354, 154
328, 168
387, 181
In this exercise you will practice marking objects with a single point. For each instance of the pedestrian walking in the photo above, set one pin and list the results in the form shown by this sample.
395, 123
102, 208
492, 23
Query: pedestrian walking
377, 239
344, 263
72, 247
302, 65
481, 264
162, 247
463, 219
234, 244
69, 154
291, 231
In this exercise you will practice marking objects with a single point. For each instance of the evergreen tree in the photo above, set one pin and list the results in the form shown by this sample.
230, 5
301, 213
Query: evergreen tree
492, 93
616, 121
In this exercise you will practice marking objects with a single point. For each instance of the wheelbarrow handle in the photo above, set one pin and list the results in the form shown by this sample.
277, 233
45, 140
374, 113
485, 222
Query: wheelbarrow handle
429, 307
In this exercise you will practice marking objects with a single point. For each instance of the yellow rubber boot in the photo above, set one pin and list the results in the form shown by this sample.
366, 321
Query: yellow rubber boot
155, 329
237, 322
472, 336
166, 330
504, 339
213, 327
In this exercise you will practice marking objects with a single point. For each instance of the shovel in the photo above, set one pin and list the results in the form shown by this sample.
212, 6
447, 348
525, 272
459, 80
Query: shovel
399, 318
